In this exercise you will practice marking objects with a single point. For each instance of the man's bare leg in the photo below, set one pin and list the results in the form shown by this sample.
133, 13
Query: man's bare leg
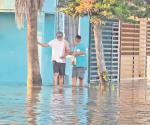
81, 81
61, 80
74, 81
55, 78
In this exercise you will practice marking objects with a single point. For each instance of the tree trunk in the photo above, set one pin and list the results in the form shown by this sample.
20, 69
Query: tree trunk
101, 68
34, 77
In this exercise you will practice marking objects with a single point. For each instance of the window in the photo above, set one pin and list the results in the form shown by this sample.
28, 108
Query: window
115, 46
107, 33
107, 55
115, 38
114, 68
107, 46
115, 34
104, 37
115, 77
115, 51
115, 29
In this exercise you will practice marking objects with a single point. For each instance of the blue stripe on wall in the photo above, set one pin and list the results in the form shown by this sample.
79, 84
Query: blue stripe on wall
85, 32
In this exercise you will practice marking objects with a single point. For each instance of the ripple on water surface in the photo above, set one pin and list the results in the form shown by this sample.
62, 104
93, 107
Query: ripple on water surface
127, 104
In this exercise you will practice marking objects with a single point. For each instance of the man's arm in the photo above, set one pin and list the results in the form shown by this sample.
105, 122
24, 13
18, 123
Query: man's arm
43, 44
66, 50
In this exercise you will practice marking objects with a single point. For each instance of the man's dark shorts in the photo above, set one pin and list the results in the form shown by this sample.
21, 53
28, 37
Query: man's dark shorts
59, 68
78, 72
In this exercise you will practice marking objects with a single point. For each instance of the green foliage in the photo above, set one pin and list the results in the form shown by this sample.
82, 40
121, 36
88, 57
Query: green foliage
105, 76
69, 8
120, 10
147, 6
101, 10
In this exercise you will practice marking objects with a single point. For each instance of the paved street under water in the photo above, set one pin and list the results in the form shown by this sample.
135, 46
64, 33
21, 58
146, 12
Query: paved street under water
125, 104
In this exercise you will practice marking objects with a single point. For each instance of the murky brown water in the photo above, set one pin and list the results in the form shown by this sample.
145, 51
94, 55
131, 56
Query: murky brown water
127, 104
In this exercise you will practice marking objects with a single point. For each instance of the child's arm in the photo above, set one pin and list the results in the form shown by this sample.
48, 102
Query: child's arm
79, 53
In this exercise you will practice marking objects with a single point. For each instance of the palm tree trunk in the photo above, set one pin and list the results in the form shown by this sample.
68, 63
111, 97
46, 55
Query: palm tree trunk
34, 77
101, 68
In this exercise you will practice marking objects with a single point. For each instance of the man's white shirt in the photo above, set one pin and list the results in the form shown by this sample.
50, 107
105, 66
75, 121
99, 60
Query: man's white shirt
58, 50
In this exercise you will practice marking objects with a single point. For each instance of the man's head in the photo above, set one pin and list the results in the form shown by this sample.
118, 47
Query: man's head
77, 39
59, 36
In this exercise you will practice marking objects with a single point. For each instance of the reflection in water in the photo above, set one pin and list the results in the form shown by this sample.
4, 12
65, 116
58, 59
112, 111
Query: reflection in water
31, 108
68, 106
102, 106
127, 104
134, 103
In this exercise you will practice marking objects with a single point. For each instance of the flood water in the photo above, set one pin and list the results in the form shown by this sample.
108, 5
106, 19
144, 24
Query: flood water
127, 103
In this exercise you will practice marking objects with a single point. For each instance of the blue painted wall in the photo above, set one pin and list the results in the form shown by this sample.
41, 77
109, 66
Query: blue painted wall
13, 61
48, 7
13, 50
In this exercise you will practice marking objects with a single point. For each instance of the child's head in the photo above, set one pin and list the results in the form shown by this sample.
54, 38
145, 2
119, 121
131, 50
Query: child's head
78, 39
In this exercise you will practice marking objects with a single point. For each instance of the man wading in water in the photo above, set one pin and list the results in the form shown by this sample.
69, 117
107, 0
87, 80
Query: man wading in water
60, 49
